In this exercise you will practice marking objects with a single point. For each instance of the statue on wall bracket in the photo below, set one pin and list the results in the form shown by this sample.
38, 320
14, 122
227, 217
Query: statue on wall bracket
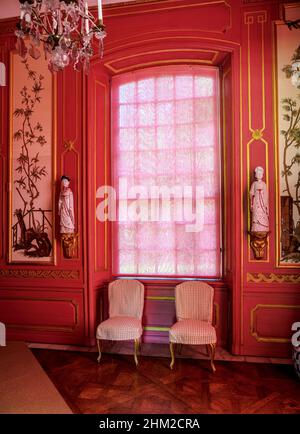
67, 219
259, 207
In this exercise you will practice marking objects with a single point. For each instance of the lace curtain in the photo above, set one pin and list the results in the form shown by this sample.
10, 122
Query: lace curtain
166, 172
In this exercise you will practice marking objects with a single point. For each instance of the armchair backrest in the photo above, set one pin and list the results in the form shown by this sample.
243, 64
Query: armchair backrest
194, 300
126, 298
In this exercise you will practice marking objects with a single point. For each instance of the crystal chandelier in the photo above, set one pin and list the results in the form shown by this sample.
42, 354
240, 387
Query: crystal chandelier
65, 28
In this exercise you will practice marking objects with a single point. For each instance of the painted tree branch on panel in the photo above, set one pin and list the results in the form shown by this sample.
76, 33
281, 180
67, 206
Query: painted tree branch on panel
291, 161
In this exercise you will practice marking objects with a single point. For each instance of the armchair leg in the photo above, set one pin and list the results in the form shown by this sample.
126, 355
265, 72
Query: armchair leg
212, 348
99, 351
172, 355
136, 347
179, 348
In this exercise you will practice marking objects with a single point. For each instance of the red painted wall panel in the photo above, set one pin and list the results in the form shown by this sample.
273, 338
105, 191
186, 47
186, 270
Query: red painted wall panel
38, 316
52, 314
268, 319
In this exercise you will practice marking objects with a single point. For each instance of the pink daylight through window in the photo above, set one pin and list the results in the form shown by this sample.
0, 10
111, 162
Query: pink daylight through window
165, 134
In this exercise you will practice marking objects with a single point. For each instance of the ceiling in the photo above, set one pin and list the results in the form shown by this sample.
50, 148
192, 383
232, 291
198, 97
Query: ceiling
10, 8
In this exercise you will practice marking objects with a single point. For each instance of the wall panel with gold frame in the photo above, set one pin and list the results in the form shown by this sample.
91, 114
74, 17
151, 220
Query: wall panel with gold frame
287, 115
32, 156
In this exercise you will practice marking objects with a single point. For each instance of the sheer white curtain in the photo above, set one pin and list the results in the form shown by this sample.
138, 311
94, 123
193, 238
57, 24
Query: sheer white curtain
165, 143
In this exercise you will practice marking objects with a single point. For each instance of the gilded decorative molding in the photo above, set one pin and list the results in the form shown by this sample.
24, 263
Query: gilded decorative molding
272, 278
257, 134
41, 274
120, 44
159, 298
69, 243
258, 243
224, 117
105, 171
69, 145
116, 70
156, 329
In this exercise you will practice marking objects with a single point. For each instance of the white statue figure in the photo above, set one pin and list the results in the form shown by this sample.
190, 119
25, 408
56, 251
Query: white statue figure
259, 203
66, 207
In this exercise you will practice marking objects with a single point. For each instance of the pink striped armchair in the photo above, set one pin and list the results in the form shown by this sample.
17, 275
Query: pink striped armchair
194, 312
126, 303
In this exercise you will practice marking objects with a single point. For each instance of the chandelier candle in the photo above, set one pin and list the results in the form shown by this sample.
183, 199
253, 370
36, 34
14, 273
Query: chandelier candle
87, 28
100, 16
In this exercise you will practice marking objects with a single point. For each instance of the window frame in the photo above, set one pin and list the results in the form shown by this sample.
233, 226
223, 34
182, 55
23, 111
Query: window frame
221, 198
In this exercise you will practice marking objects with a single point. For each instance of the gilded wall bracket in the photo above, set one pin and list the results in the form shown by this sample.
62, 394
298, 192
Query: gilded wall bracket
69, 245
259, 243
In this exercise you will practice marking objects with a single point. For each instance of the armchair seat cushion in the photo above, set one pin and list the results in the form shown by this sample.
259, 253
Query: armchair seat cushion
192, 332
120, 328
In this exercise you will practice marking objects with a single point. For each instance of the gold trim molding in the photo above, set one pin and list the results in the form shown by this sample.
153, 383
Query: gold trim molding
257, 134
253, 330
159, 298
41, 274
105, 169
116, 70
156, 329
69, 145
272, 278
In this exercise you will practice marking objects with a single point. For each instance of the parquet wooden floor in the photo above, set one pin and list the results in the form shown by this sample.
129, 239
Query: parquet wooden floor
117, 386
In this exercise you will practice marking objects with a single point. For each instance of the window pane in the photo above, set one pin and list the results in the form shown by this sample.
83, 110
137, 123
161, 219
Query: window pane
184, 87
145, 90
127, 115
165, 145
203, 86
165, 88
126, 92
146, 114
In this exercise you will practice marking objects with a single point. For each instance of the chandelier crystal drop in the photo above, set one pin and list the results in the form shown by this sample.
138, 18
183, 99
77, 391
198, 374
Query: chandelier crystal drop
64, 28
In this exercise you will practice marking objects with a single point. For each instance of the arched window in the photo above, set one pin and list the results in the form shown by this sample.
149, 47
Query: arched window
166, 172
